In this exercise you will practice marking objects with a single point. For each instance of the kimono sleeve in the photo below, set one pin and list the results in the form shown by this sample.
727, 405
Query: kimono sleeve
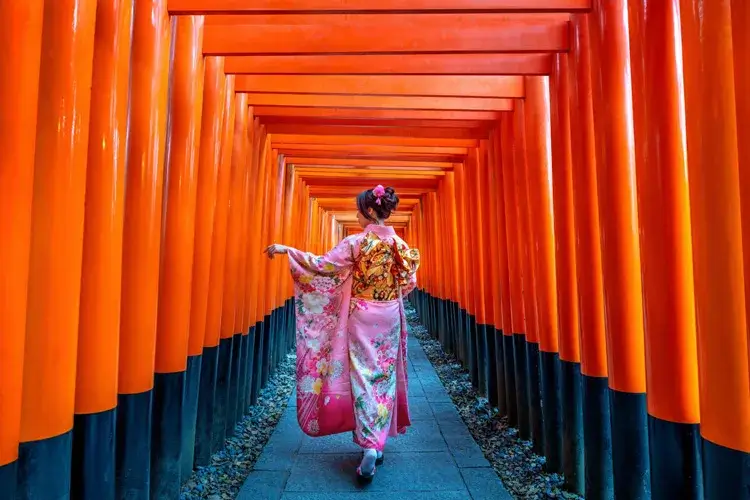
405, 270
338, 260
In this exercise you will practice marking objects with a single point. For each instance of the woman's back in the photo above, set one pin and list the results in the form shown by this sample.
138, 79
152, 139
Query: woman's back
382, 267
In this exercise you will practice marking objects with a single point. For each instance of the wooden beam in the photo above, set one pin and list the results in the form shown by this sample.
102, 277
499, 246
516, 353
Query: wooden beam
390, 64
303, 161
383, 102
369, 157
371, 148
257, 6
385, 33
511, 87
428, 134
380, 124
405, 140
373, 113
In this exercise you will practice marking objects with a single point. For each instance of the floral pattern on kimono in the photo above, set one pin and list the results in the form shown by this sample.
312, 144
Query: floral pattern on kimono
351, 350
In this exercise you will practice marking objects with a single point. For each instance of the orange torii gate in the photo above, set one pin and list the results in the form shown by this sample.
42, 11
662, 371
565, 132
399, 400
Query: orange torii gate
577, 196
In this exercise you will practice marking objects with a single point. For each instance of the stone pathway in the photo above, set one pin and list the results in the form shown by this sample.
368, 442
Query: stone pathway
437, 459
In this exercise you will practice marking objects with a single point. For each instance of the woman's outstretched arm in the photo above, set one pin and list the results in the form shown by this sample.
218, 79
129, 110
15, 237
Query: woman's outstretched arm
336, 260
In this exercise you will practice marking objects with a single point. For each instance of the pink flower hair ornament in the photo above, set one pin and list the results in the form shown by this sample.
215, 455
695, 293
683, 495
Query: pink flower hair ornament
379, 191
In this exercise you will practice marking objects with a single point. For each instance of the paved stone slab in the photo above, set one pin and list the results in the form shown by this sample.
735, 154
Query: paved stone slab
404, 472
483, 484
422, 436
263, 485
437, 459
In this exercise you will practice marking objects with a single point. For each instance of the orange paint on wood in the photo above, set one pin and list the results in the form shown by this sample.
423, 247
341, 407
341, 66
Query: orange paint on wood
57, 219
542, 234
101, 279
715, 209
585, 203
562, 191
209, 164
338, 112
381, 102
392, 64
506, 86
399, 33
362, 138
20, 28
234, 218
242, 6
618, 210
221, 219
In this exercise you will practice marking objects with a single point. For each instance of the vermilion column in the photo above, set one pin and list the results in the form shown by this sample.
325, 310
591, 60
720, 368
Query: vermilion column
258, 285
226, 386
597, 436
741, 51
621, 264
567, 285
528, 334
141, 245
93, 473
666, 250
467, 281
175, 277
540, 181
208, 257
21, 29
215, 338
497, 290
455, 263
209, 160
513, 323
715, 209
57, 219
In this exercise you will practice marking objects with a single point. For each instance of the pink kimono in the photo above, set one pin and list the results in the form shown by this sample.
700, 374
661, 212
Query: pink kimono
351, 336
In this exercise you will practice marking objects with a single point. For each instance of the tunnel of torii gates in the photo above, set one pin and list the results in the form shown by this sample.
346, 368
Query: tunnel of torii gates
575, 173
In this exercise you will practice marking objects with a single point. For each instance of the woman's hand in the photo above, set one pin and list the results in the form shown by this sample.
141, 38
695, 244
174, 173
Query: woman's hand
274, 249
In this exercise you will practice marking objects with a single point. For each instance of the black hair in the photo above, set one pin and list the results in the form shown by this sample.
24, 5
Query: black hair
388, 204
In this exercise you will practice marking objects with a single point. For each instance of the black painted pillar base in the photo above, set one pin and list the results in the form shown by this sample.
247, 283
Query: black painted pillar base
630, 458
133, 446
491, 357
233, 384
473, 354
463, 320
190, 415
501, 396
44, 468
273, 339
535, 399
8, 480
511, 398
571, 390
675, 458
468, 342
551, 410
597, 439
250, 369
267, 325
93, 475
454, 328
726, 472
482, 359
166, 441
206, 398
221, 400
241, 382
522, 386
257, 362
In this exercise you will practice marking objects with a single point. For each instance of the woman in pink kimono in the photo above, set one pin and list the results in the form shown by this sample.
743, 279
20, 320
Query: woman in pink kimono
351, 331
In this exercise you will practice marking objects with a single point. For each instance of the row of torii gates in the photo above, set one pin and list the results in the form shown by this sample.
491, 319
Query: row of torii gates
574, 172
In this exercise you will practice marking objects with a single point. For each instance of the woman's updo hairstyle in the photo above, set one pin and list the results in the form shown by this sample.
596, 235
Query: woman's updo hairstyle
383, 202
